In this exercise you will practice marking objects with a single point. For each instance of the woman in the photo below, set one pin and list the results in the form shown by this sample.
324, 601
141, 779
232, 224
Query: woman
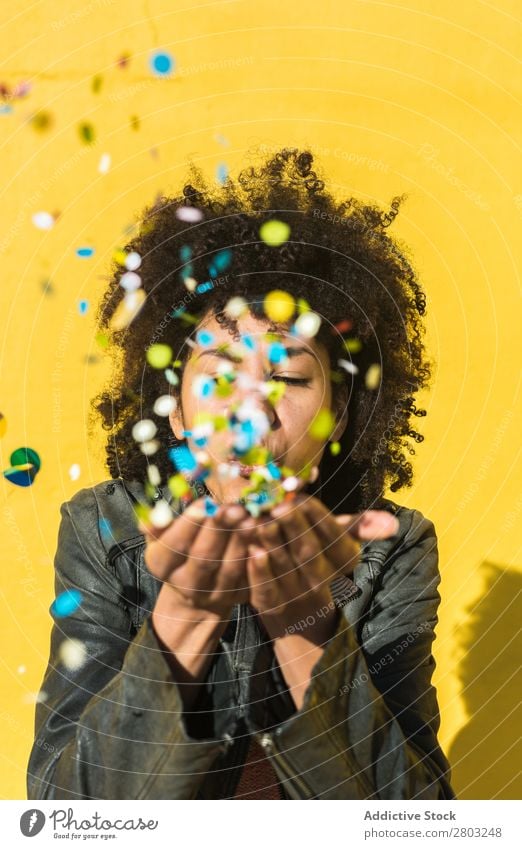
266, 630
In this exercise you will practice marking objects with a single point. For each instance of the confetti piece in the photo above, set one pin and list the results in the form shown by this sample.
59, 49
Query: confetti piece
102, 340
144, 430
221, 173
43, 220
134, 122
124, 60
66, 603
203, 386
83, 306
41, 121
3, 425
190, 283
307, 324
279, 305
178, 486
161, 63
153, 475
335, 448
210, 507
86, 133
72, 653
322, 424
372, 378
128, 309
171, 376
348, 366
25, 455
21, 670
204, 338
159, 356
220, 262
104, 163
132, 261
161, 514
85, 252
130, 281
190, 214
5, 109
277, 353
25, 464
105, 530
74, 472
35, 698
353, 345
343, 326
149, 447
274, 232
164, 405
183, 458
236, 307
96, 84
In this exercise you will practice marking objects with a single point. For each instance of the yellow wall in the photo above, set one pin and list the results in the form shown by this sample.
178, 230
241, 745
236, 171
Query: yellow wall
415, 96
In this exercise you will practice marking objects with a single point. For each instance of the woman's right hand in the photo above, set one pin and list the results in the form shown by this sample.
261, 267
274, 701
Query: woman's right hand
200, 559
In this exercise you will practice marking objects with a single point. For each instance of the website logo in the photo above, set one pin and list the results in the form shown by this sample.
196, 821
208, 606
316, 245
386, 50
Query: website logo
32, 822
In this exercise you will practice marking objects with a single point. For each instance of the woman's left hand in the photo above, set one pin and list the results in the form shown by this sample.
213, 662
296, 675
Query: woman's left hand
302, 548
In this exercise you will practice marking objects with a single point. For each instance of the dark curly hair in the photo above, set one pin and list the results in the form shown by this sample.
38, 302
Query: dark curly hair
339, 257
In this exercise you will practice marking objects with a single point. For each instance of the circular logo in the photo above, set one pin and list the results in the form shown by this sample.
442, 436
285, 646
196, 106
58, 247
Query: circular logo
32, 822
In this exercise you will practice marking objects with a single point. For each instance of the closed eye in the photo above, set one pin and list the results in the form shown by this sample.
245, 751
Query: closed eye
294, 381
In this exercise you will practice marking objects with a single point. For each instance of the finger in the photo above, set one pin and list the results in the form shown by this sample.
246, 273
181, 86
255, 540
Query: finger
370, 525
232, 576
261, 579
171, 548
270, 535
338, 545
304, 544
208, 550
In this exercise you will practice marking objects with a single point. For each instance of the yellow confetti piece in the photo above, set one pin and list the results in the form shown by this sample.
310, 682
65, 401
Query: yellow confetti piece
127, 310
279, 305
274, 233
353, 345
178, 486
159, 356
335, 448
372, 378
322, 425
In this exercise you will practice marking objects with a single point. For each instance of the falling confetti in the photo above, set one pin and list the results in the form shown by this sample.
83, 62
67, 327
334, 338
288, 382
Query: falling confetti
190, 214
335, 448
161, 514
72, 653
130, 281
161, 63
74, 472
66, 603
353, 345
372, 378
274, 232
41, 121
128, 309
132, 261
85, 252
348, 366
236, 307
104, 163
153, 475
124, 60
83, 306
164, 405
322, 425
144, 430
25, 464
159, 356
279, 305
307, 324
221, 173
43, 220
86, 133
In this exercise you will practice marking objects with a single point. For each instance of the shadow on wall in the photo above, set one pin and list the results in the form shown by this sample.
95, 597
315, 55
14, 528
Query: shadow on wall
486, 754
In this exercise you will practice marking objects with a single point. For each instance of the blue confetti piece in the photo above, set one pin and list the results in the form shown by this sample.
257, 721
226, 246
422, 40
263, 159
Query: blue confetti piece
248, 341
204, 287
162, 63
277, 352
222, 260
5, 109
84, 253
274, 470
183, 458
221, 172
210, 507
185, 252
105, 529
66, 603
204, 338
83, 306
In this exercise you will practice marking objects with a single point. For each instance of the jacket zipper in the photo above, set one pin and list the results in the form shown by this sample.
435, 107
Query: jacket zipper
284, 768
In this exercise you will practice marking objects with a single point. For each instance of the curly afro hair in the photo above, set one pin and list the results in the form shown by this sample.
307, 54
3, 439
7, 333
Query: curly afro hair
339, 257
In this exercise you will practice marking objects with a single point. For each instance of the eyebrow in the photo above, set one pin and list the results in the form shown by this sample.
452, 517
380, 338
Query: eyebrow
221, 352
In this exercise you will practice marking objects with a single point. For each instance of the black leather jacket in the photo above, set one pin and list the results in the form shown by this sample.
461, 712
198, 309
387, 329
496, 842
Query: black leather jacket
116, 728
